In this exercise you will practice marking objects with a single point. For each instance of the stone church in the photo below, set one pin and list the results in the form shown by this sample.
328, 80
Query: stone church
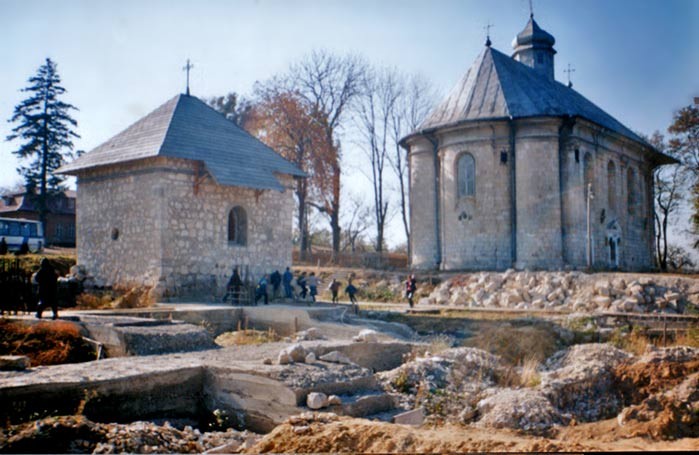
501, 173
178, 199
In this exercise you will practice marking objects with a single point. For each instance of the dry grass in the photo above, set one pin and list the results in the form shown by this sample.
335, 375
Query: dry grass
246, 337
45, 343
636, 341
517, 345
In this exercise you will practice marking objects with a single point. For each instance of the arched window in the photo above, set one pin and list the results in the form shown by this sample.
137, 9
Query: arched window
237, 226
588, 172
631, 190
466, 175
611, 187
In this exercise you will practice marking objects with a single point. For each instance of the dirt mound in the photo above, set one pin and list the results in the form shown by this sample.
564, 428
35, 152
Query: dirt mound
319, 433
75, 434
656, 371
328, 433
669, 415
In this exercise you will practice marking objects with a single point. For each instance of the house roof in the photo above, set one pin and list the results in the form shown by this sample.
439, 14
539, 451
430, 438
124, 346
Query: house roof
186, 127
22, 202
499, 87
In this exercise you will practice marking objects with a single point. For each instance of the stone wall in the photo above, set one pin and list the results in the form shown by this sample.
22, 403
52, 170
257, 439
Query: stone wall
423, 246
169, 237
550, 156
476, 229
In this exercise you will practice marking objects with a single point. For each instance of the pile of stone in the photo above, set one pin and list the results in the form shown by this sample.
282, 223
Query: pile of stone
458, 374
523, 409
580, 381
566, 291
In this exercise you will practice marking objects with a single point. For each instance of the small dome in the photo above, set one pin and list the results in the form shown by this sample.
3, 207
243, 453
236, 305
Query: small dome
533, 35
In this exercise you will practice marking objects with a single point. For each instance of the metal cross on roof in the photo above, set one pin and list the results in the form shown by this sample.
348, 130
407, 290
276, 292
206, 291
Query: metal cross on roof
186, 68
531, 9
569, 70
487, 28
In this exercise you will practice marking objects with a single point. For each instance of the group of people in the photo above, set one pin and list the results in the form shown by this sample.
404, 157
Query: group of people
307, 285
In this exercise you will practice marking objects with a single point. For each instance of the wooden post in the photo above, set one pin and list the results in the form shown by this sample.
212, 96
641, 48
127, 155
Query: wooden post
296, 324
664, 331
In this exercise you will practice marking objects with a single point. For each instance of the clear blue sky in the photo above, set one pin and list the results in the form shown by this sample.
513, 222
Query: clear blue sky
637, 59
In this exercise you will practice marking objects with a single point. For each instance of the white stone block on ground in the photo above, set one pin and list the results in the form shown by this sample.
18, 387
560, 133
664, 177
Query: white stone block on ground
336, 357
317, 400
414, 417
367, 336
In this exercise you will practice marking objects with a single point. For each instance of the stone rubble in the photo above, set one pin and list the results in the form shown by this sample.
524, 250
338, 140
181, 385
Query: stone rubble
566, 291
76, 434
580, 381
292, 354
367, 336
523, 409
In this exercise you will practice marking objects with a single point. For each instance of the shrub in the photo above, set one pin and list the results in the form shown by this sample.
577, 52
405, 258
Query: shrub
45, 343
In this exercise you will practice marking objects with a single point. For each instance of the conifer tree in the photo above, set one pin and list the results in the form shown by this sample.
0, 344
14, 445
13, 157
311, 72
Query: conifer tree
45, 132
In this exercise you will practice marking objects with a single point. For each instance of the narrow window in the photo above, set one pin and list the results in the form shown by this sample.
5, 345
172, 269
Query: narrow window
466, 175
611, 187
237, 226
631, 191
588, 172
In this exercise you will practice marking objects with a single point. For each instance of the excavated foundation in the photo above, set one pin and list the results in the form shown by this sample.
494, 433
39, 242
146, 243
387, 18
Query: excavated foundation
234, 382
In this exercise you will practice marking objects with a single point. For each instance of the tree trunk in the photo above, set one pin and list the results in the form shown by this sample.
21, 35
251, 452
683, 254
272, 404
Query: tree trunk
302, 219
335, 213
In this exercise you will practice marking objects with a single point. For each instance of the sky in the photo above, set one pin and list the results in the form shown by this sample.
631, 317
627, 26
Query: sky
119, 60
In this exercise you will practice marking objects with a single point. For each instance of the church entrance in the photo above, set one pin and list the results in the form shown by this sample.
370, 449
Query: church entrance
613, 240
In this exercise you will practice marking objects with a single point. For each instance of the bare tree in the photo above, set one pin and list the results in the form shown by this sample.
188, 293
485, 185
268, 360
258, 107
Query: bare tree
418, 97
329, 84
282, 120
356, 224
669, 182
376, 109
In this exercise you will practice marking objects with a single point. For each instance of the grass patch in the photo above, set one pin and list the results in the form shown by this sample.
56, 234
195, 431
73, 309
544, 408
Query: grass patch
246, 337
45, 343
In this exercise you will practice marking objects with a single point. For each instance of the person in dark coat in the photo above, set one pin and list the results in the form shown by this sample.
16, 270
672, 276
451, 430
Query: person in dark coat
301, 281
3, 246
287, 278
334, 289
235, 284
275, 279
410, 288
47, 279
261, 290
351, 292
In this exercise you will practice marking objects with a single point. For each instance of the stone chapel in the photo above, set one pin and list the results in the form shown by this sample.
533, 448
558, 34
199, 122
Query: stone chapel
500, 173
178, 199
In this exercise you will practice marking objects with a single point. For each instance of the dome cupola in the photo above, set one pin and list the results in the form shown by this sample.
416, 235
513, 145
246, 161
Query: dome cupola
533, 46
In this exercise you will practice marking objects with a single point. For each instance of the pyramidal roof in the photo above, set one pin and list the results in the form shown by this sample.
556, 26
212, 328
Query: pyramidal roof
186, 127
499, 87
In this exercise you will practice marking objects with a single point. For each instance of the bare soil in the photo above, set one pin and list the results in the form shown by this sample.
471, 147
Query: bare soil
363, 436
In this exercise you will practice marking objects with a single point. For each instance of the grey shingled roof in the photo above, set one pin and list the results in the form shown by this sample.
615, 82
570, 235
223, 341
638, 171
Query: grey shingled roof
499, 87
186, 127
